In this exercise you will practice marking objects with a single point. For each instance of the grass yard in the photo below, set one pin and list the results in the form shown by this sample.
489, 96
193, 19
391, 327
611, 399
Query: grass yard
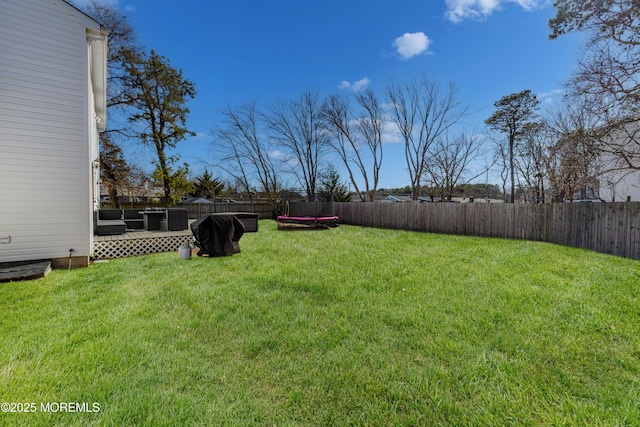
348, 326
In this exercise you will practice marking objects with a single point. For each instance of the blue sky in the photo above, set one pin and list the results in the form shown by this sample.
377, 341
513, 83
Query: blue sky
249, 50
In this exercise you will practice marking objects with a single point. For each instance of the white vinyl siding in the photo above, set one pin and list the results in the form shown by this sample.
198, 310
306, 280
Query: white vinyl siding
45, 120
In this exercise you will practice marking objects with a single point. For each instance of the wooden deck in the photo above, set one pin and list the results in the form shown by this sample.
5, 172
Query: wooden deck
140, 242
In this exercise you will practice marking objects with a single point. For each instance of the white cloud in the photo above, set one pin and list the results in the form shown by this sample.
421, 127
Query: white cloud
278, 155
459, 10
411, 44
391, 134
551, 96
355, 86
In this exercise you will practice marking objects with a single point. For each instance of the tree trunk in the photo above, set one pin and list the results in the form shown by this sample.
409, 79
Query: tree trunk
513, 181
111, 184
162, 162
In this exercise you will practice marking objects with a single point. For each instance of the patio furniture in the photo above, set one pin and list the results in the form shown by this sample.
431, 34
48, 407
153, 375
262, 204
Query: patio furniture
152, 219
110, 227
175, 220
108, 222
217, 235
133, 219
109, 214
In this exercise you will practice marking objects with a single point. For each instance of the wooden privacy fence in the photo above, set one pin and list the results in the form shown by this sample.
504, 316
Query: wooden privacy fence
610, 228
313, 209
198, 210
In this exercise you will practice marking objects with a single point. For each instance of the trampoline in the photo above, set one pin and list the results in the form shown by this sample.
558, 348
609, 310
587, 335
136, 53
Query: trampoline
285, 222
292, 222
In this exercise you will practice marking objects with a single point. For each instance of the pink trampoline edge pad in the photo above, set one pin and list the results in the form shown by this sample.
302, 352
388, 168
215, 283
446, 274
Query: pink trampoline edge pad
307, 218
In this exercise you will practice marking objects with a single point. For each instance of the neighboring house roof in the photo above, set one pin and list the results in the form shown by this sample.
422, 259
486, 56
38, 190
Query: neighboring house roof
196, 200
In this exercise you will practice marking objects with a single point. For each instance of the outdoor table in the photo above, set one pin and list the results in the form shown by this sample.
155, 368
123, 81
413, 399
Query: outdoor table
152, 219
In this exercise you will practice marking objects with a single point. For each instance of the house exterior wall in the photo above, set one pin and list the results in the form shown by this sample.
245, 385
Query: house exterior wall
47, 126
618, 183
620, 186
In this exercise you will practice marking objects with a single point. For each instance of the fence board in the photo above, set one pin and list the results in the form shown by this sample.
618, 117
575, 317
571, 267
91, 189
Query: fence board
611, 228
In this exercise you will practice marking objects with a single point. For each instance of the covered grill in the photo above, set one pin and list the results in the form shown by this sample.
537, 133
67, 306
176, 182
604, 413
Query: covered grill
217, 235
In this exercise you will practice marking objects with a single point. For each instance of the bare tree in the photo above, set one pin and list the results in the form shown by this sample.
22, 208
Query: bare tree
134, 183
423, 111
608, 74
371, 126
297, 126
572, 166
531, 161
114, 169
450, 162
572, 163
501, 158
602, 81
338, 120
356, 138
244, 154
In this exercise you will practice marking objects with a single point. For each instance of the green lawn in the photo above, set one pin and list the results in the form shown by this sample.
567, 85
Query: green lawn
347, 326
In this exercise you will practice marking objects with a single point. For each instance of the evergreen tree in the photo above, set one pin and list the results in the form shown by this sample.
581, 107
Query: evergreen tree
207, 186
331, 188
158, 94
515, 114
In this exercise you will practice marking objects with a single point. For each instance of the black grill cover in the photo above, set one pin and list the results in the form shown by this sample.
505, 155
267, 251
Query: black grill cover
217, 235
